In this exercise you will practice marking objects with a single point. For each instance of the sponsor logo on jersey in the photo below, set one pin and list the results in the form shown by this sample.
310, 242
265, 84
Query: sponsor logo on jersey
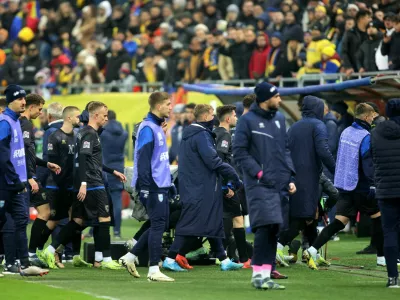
164, 156
261, 125
26, 135
224, 144
19, 153
86, 145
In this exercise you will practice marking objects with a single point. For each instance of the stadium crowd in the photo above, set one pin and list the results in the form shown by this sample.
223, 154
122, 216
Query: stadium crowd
56, 43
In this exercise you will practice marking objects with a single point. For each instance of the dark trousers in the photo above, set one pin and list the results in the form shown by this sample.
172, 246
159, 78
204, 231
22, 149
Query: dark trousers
16, 212
68, 248
390, 210
157, 207
265, 242
116, 196
184, 244
296, 225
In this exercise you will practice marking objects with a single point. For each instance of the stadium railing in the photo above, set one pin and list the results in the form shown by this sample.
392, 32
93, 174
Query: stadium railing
308, 79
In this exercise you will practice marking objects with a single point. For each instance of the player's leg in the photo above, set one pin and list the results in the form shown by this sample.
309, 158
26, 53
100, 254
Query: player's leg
9, 242
218, 248
265, 241
286, 237
116, 196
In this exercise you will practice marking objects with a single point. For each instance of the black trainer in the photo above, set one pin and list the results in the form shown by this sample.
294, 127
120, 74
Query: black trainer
367, 250
393, 283
11, 270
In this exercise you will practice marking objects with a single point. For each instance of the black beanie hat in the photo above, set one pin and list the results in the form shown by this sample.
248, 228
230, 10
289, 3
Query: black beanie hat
393, 108
265, 91
14, 92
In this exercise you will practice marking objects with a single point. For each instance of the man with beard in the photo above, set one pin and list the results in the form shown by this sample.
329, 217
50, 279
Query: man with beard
260, 149
366, 54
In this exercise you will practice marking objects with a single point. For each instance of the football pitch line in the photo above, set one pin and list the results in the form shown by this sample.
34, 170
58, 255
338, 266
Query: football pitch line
78, 291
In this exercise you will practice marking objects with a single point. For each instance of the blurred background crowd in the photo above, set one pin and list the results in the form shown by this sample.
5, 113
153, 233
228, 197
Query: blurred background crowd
51, 44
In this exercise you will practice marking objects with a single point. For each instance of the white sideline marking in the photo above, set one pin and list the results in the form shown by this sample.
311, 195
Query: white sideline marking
87, 293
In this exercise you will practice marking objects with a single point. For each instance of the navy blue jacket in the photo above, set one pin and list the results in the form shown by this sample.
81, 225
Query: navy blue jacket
41, 172
176, 137
200, 170
308, 143
113, 140
145, 147
6, 166
261, 144
332, 131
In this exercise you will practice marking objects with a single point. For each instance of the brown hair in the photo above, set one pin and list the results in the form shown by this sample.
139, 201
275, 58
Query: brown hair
68, 110
224, 110
3, 102
157, 98
363, 109
248, 100
34, 99
94, 106
201, 109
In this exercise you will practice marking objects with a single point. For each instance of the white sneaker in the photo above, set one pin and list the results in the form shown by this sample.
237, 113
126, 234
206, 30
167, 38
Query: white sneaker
127, 259
33, 271
380, 261
158, 276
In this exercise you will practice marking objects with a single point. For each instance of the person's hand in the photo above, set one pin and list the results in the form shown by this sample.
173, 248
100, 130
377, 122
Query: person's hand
362, 70
82, 193
164, 126
292, 188
54, 168
34, 186
349, 71
230, 193
120, 176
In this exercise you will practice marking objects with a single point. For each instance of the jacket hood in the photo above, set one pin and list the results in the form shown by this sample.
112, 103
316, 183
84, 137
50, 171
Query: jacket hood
330, 117
388, 129
264, 17
114, 128
107, 7
313, 107
194, 129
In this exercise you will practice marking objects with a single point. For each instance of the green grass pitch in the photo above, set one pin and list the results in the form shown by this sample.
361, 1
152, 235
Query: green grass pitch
209, 283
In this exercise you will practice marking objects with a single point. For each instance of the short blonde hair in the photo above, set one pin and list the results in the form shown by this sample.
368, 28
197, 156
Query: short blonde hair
201, 109
363, 109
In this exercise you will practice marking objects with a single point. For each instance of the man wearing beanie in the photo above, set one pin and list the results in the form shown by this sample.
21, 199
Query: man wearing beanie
354, 178
13, 177
385, 143
260, 149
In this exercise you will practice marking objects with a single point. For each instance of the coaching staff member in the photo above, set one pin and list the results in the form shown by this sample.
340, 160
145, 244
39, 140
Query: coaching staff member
260, 148
385, 143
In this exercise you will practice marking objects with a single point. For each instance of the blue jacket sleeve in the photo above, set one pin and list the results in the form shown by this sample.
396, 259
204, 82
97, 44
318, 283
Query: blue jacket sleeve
332, 131
366, 159
6, 166
145, 152
288, 155
241, 150
211, 159
321, 147
330, 68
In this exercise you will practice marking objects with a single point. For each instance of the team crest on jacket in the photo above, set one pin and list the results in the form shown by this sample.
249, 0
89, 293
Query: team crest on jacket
278, 124
261, 125
160, 197
224, 144
49, 146
86, 145
26, 135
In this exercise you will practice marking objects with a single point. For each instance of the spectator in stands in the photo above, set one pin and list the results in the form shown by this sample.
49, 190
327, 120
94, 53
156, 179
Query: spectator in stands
185, 27
85, 27
352, 41
292, 59
5, 43
70, 46
192, 72
113, 140
13, 67
277, 24
232, 14
171, 72
247, 16
225, 64
262, 22
104, 29
258, 60
291, 27
59, 58
322, 17
117, 57
350, 23
119, 19
200, 32
330, 64
275, 53
212, 15
366, 56
32, 64
391, 46
65, 18
148, 70
210, 59
388, 21
352, 10
90, 73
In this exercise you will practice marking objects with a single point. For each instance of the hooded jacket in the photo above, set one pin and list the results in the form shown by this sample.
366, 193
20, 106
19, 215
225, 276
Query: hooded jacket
200, 171
113, 139
114, 63
367, 53
308, 143
332, 131
385, 144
